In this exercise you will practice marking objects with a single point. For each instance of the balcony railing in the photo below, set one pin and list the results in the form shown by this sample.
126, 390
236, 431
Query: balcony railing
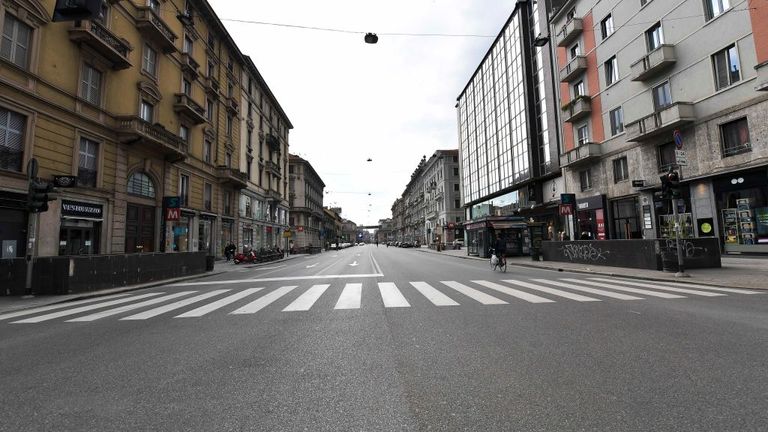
103, 41
274, 195
211, 85
155, 29
762, 77
232, 103
654, 62
583, 154
666, 119
133, 130
189, 65
190, 109
569, 31
578, 109
273, 167
232, 177
573, 69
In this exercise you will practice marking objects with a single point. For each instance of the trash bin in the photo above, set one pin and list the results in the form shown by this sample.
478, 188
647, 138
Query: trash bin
209, 261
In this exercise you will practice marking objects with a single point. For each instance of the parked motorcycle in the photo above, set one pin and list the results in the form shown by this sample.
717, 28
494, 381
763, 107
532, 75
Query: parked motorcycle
247, 257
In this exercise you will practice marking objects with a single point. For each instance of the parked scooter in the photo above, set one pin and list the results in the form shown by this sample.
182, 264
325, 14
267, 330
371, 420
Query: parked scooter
247, 257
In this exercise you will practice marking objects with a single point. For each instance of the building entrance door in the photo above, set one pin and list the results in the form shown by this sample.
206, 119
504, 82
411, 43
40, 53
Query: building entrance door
139, 228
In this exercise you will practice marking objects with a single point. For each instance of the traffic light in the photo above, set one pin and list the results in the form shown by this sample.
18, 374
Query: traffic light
76, 10
670, 185
37, 198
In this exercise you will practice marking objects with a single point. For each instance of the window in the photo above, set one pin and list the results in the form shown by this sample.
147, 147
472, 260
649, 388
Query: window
229, 125
186, 46
611, 71
606, 26
727, 67
211, 40
15, 43
585, 179
184, 133
146, 111
87, 164
666, 156
620, 170
645, 2
140, 184
228, 160
184, 190
154, 5
149, 60
578, 89
456, 204
230, 65
582, 134
209, 109
207, 151
455, 159
735, 137
662, 96
211, 69
713, 8
228, 203
230, 89
617, 121
207, 196
186, 87
90, 85
571, 14
11, 140
575, 51
455, 171
654, 37
455, 187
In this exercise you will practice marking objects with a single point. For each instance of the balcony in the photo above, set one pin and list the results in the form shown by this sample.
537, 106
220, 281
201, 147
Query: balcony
577, 109
189, 66
273, 195
569, 31
190, 109
665, 120
133, 130
232, 103
103, 41
155, 29
582, 155
211, 85
272, 167
762, 77
232, 177
573, 69
654, 62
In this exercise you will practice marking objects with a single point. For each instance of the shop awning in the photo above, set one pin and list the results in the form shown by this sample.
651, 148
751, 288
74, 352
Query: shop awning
507, 224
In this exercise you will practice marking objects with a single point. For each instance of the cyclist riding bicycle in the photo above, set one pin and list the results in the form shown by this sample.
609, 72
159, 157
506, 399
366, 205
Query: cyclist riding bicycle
500, 248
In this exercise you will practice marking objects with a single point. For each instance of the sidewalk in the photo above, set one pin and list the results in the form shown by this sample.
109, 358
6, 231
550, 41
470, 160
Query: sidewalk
14, 303
736, 272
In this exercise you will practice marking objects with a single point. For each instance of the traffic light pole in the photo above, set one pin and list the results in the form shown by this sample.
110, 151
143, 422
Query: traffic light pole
680, 265
31, 247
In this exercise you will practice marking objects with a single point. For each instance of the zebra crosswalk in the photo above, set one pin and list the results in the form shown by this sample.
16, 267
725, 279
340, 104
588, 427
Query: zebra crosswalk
349, 296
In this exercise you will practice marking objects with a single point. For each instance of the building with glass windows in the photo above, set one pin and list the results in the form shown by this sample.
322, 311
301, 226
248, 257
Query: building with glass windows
508, 143
305, 198
649, 85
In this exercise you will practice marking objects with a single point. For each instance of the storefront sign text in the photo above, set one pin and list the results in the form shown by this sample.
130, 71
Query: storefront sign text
81, 209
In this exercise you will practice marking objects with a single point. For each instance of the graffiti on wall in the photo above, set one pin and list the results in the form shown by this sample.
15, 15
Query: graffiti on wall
583, 252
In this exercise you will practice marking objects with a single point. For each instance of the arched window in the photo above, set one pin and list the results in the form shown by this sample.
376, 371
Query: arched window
140, 184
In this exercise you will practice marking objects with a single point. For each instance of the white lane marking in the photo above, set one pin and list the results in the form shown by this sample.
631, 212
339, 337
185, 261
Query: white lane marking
588, 290
513, 292
84, 309
436, 297
664, 288
334, 256
306, 300
703, 287
627, 289
267, 268
350, 296
354, 264
473, 293
202, 310
280, 279
263, 301
392, 296
173, 306
375, 265
110, 312
553, 291
58, 306
312, 265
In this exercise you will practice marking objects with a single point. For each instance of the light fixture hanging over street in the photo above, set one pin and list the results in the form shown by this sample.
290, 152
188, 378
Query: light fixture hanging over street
371, 38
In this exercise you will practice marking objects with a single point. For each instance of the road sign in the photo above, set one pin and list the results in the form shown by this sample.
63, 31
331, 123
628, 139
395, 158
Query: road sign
287, 234
678, 137
681, 158
300, 229
172, 214
638, 183
566, 209
568, 198
172, 202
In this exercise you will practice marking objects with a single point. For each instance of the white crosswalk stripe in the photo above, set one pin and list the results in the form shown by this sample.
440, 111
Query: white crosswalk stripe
173, 306
121, 309
553, 291
263, 301
513, 292
77, 310
603, 293
218, 304
306, 300
350, 297
627, 289
57, 306
654, 285
391, 296
699, 286
436, 297
473, 293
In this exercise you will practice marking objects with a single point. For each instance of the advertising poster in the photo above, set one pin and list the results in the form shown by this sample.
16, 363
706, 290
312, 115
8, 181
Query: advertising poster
761, 220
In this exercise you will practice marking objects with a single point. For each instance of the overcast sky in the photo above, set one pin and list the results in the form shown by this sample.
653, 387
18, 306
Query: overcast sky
349, 101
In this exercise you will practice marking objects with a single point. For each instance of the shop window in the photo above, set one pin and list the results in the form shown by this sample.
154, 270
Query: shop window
12, 126
140, 184
666, 153
727, 67
585, 179
90, 84
208, 196
184, 190
88, 162
14, 46
713, 8
617, 121
625, 219
735, 137
620, 170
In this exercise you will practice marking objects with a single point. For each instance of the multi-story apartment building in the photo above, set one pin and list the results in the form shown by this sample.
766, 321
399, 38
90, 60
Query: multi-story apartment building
139, 104
414, 207
305, 197
398, 219
642, 80
331, 231
508, 140
442, 197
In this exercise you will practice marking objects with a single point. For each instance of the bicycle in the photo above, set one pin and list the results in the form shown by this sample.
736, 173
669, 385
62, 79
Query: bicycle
501, 262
